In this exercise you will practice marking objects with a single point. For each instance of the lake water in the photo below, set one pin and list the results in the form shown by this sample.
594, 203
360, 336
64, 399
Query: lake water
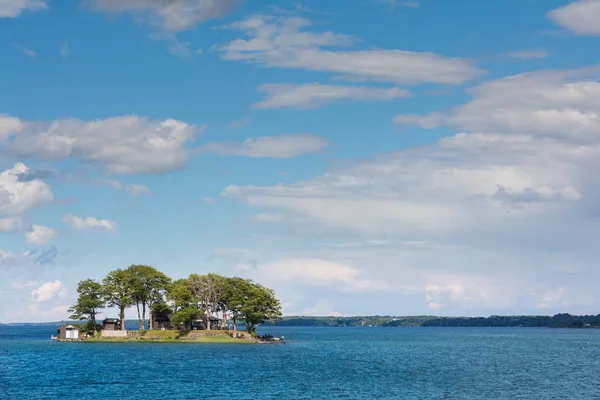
316, 363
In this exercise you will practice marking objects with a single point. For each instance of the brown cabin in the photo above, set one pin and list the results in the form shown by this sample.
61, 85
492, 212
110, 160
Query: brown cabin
68, 332
160, 321
111, 324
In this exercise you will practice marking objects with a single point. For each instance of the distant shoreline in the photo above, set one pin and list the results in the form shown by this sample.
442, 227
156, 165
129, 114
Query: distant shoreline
526, 321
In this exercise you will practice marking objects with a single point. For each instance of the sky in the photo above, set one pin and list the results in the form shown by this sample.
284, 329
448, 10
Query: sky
360, 157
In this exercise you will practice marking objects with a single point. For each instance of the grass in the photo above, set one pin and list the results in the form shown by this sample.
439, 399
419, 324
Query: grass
173, 336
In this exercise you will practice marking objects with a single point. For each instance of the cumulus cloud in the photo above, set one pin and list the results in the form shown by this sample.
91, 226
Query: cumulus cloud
562, 105
580, 17
517, 181
314, 95
9, 124
39, 235
16, 196
14, 8
533, 142
89, 223
283, 146
169, 15
121, 145
285, 43
48, 291
317, 272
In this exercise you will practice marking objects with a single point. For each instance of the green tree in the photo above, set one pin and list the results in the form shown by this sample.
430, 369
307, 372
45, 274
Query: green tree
261, 306
118, 292
183, 302
236, 295
180, 294
148, 286
185, 315
208, 290
89, 301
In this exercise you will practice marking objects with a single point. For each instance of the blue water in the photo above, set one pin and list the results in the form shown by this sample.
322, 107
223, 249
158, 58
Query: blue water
316, 363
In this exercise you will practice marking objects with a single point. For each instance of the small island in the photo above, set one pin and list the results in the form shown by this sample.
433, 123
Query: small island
197, 309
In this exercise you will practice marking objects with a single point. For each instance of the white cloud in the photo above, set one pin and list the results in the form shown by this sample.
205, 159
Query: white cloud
563, 105
529, 54
314, 95
283, 146
283, 43
89, 223
317, 272
10, 224
39, 235
136, 190
132, 189
48, 291
122, 145
580, 17
537, 164
14, 8
506, 203
169, 15
17, 197
9, 124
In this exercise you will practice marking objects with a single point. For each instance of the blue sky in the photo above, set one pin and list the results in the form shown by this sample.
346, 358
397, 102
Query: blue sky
360, 157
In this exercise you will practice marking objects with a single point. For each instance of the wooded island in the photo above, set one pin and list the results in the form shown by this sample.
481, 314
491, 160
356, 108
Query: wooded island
207, 302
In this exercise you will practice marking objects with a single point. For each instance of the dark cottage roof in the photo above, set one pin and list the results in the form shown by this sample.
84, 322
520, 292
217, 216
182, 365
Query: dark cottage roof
110, 320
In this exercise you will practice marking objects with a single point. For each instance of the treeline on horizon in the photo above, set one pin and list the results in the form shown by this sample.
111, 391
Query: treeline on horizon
182, 301
528, 321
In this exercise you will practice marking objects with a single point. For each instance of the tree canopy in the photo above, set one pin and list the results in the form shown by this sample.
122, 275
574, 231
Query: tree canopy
198, 297
118, 292
147, 287
89, 302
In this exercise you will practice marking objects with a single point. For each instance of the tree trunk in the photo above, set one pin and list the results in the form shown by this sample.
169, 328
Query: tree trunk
137, 305
234, 325
247, 327
144, 316
150, 319
122, 317
208, 323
